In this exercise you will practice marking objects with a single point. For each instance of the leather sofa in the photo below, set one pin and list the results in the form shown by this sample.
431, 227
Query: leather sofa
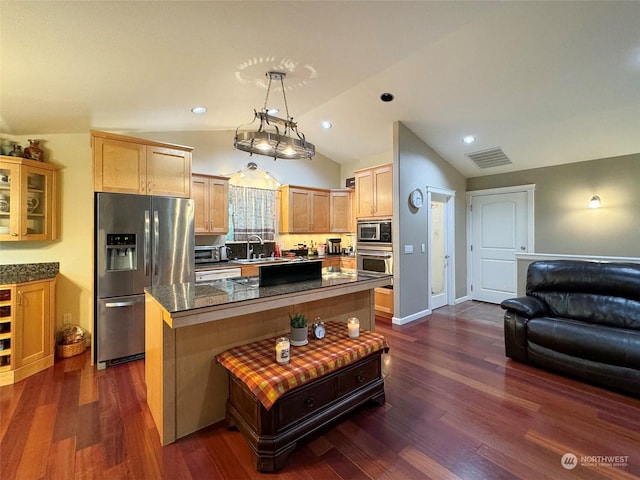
581, 319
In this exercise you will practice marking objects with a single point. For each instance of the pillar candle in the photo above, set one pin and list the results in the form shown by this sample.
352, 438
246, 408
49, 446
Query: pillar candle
282, 350
353, 324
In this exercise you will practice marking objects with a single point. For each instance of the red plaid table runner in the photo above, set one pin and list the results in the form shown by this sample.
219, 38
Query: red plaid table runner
255, 363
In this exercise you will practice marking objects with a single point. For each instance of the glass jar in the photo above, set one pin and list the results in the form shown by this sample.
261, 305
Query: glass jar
283, 350
353, 326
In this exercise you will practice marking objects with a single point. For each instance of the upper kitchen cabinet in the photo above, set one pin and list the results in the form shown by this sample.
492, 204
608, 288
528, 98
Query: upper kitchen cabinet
374, 192
27, 199
341, 211
133, 165
304, 210
211, 197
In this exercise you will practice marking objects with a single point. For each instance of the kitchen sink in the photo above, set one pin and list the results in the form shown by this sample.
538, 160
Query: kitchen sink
251, 282
249, 261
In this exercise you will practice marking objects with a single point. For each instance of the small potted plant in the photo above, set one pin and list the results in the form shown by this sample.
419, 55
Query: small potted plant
299, 329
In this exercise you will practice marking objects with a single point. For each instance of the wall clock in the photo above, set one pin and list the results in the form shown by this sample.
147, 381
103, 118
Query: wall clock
416, 199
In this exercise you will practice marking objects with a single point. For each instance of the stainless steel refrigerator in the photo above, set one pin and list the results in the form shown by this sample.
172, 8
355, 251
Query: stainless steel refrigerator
139, 241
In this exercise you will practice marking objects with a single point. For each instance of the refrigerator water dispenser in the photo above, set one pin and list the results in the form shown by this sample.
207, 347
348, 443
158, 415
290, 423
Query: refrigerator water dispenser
121, 251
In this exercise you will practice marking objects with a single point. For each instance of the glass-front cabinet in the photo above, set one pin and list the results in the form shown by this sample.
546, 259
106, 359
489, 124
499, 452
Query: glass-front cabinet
27, 199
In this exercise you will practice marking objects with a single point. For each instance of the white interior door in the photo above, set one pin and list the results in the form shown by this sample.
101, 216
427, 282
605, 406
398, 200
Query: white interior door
501, 226
441, 223
438, 253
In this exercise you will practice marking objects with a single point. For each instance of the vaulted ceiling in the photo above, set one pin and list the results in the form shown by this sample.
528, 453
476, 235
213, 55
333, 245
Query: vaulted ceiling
547, 82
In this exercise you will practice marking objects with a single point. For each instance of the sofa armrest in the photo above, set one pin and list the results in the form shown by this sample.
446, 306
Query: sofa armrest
528, 307
515, 336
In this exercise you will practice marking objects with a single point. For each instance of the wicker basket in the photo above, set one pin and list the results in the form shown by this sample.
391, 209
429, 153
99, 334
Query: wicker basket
65, 351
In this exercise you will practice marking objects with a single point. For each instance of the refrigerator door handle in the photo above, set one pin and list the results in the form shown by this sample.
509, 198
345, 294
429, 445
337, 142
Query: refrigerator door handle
119, 304
156, 239
147, 244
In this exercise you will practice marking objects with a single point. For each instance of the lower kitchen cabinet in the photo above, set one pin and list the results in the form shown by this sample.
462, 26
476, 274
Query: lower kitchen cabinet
348, 262
384, 302
27, 323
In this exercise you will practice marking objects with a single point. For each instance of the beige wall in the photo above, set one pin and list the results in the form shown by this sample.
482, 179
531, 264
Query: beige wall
74, 247
563, 223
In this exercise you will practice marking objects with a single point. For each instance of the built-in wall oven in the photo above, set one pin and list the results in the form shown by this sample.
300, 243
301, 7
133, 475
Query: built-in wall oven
375, 259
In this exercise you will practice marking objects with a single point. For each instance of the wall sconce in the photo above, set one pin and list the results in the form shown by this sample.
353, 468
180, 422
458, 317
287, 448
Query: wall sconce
595, 202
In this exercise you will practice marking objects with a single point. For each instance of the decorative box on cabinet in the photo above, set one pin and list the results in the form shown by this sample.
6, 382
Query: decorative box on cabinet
304, 210
27, 199
374, 192
26, 329
132, 165
211, 197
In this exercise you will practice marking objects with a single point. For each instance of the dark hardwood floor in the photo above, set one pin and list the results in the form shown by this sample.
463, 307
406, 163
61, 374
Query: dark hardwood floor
456, 408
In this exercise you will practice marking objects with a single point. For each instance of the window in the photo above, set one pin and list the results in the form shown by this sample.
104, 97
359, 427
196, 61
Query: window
252, 211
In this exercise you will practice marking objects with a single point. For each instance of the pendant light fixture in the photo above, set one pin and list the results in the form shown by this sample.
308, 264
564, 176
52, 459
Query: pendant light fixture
275, 137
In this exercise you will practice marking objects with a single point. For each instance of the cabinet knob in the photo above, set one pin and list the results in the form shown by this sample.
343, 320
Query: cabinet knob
14, 234
360, 378
142, 185
309, 402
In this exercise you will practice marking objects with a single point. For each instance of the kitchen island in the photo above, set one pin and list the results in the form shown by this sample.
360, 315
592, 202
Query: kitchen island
188, 324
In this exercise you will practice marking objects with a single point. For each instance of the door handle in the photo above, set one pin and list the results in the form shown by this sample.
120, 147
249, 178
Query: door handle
119, 304
147, 240
156, 240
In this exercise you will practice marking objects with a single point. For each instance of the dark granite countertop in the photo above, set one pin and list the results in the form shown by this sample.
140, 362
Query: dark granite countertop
27, 272
191, 296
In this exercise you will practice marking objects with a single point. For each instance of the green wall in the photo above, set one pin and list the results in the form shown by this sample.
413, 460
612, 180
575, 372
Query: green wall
563, 223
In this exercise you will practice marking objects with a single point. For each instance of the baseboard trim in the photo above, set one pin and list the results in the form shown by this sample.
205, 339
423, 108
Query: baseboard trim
410, 318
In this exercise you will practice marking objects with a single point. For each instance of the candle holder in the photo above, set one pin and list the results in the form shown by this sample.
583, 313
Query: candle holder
283, 350
353, 326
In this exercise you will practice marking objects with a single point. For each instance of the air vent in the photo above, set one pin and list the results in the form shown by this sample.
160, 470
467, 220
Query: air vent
493, 157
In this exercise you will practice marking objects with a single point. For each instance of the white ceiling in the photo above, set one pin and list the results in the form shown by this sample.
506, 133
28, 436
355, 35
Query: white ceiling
548, 82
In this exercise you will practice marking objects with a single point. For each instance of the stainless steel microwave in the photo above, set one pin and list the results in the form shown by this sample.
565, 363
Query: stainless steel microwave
377, 231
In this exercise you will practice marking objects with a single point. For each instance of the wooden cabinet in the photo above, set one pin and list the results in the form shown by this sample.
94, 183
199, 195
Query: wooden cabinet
384, 302
304, 210
211, 197
374, 192
331, 261
27, 322
133, 165
27, 199
273, 434
348, 262
341, 211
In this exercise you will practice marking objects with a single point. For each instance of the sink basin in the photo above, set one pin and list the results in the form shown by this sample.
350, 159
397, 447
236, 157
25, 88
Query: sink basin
247, 281
245, 261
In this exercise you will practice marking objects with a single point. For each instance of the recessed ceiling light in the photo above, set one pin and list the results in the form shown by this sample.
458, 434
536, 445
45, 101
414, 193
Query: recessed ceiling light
468, 139
326, 124
199, 110
386, 97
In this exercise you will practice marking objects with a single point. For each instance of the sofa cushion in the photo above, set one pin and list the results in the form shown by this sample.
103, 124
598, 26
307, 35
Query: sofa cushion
613, 346
598, 309
602, 293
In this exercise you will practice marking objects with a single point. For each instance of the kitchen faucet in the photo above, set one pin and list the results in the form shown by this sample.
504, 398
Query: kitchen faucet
249, 248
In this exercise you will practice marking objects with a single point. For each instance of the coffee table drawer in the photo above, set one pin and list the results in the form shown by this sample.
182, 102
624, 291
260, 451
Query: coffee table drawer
305, 401
357, 376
